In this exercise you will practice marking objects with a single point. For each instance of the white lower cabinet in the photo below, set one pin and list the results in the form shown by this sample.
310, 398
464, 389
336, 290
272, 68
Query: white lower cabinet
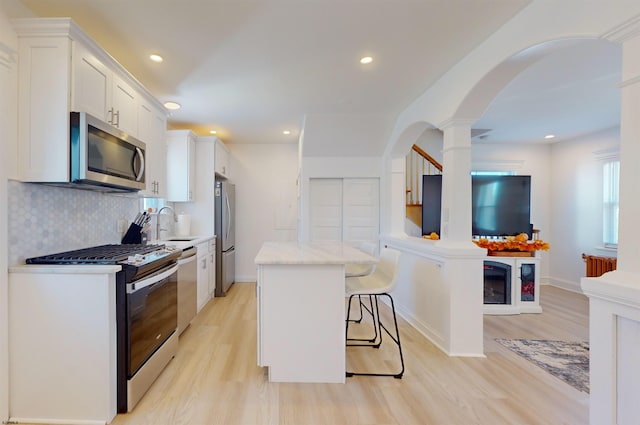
63, 354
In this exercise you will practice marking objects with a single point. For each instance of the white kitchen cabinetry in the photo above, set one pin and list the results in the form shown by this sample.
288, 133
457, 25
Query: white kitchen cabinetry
203, 210
61, 70
301, 311
222, 157
181, 169
92, 81
124, 107
100, 91
63, 354
152, 125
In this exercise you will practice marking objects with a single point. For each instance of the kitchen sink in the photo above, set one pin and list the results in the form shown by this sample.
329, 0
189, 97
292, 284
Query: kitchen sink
181, 239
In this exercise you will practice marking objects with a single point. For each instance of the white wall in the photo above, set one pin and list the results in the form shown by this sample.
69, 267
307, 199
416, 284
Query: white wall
533, 160
576, 204
266, 199
8, 137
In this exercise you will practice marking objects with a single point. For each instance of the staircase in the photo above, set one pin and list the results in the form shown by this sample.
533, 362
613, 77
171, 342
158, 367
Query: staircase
418, 163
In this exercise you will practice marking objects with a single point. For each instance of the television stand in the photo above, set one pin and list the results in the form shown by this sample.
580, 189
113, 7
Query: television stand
511, 285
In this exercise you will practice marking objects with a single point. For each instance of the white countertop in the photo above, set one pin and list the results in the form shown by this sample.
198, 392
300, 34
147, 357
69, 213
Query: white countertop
312, 253
182, 244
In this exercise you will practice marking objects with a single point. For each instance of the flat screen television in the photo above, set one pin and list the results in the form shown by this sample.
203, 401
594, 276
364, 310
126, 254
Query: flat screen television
501, 205
431, 203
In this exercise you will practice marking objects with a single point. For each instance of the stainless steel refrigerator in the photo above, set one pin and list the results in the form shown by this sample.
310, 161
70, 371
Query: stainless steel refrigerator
225, 220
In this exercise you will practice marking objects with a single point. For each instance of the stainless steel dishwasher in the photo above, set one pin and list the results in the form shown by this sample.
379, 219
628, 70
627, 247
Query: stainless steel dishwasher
187, 288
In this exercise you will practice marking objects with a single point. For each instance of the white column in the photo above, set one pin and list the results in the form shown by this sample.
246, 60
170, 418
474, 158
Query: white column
463, 275
629, 230
614, 298
456, 182
396, 192
8, 147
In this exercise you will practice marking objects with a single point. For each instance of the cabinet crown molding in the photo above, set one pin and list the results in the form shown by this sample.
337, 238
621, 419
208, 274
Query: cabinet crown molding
7, 56
66, 27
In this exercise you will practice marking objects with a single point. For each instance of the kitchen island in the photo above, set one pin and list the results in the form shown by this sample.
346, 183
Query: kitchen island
301, 309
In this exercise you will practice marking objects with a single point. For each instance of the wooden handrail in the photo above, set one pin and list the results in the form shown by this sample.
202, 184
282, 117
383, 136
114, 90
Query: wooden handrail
428, 157
418, 163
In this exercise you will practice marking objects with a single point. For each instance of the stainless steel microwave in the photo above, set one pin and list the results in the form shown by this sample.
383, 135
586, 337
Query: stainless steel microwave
104, 157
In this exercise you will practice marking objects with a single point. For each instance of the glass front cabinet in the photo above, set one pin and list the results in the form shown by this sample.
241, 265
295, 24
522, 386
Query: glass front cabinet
516, 289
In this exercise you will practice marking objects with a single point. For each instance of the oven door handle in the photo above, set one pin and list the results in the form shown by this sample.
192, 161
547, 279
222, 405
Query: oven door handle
186, 260
143, 283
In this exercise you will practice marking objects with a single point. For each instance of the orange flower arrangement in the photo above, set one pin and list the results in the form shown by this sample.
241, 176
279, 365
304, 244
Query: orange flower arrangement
513, 243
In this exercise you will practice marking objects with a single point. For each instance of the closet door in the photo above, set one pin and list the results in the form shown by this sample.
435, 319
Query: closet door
326, 209
361, 210
344, 209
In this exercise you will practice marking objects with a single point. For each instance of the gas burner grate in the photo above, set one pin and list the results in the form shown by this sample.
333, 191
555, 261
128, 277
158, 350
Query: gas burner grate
104, 254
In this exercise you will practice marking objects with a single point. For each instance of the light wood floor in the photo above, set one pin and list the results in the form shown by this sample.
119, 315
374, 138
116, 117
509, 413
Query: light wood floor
214, 379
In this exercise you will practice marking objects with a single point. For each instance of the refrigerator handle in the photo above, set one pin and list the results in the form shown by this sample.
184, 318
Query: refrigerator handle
226, 198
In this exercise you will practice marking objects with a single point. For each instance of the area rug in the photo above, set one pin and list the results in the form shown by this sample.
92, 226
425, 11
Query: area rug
568, 361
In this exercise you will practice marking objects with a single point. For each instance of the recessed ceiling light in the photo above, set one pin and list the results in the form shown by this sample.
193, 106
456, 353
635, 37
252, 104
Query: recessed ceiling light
549, 136
172, 105
366, 60
286, 132
213, 132
156, 58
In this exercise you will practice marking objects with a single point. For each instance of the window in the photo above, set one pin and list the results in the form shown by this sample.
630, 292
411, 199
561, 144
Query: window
610, 203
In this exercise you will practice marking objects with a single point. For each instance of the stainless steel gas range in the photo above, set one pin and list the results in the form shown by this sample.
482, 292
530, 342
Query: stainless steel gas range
146, 310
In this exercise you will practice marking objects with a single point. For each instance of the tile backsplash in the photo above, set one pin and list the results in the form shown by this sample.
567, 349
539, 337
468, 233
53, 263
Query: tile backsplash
45, 219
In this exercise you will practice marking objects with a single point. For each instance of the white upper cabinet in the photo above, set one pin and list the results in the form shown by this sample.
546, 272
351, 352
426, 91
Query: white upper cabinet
152, 129
91, 86
43, 108
181, 168
222, 157
101, 92
124, 107
60, 70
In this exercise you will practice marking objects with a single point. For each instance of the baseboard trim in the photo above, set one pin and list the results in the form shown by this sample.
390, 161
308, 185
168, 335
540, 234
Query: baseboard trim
422, 328
565, 284
245, 278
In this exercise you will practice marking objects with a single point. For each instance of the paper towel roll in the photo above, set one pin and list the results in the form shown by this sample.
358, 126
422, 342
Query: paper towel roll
183, 226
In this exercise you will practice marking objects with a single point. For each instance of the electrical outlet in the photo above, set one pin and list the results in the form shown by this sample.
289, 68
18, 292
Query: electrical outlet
121, 226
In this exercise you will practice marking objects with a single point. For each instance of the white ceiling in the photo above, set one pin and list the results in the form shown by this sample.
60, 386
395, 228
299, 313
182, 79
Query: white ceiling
253, 68
570, 91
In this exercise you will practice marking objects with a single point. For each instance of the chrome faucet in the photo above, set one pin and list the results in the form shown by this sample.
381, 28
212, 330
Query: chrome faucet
158, 229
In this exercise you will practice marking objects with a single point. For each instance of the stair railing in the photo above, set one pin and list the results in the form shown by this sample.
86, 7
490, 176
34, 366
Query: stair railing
418, 163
